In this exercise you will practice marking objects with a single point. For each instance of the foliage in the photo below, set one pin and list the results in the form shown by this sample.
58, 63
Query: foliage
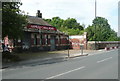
71, 23
91, 33
113, 36
101, 31
13, 20
69, 26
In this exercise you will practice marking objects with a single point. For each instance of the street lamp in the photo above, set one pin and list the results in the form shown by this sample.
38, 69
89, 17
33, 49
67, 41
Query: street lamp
68, 46
95, 18
95, 8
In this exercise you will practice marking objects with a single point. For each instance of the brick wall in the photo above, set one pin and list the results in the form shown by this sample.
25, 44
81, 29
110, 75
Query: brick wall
77, 40
101, 44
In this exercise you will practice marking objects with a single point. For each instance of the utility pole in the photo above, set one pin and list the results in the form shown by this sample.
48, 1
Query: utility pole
68, 46
95, 8
95, 18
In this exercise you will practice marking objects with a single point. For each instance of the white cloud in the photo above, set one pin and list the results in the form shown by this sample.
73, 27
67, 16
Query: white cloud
82, 10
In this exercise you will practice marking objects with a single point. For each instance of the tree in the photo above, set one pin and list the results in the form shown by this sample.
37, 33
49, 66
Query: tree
101, 31
69, 26
113, 36
13, 20
72, 23
91, 33
55, 21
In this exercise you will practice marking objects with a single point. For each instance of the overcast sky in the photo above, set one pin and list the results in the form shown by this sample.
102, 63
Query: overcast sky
82, 10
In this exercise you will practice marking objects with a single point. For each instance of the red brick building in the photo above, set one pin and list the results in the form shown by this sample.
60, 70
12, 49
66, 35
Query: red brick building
39, 35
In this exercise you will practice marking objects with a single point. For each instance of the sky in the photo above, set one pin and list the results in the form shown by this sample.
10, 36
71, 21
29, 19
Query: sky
82, 10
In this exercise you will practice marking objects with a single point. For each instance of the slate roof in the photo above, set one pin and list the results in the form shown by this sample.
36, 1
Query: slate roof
37, 20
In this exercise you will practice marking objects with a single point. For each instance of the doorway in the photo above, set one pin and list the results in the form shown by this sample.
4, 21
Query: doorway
52, 42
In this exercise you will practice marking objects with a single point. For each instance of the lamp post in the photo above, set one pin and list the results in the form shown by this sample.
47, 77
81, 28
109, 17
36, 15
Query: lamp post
95, 18
95, 8
68, 46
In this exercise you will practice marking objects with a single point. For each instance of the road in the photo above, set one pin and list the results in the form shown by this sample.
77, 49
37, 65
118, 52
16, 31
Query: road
96, 66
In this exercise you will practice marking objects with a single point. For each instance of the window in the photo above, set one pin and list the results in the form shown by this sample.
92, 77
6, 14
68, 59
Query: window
43, 39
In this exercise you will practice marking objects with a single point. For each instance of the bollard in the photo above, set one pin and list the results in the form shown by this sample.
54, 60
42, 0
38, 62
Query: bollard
82, 50
81, 47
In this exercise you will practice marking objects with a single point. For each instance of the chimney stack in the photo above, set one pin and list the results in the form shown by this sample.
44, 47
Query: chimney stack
39, 14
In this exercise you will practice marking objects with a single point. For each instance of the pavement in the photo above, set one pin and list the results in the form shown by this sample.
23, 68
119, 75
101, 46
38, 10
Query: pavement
51, 59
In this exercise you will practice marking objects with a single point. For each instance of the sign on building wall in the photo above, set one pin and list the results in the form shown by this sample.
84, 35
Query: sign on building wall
41, 27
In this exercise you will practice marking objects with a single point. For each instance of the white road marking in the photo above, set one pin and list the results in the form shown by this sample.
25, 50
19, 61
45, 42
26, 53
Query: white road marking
104, 59
65, 73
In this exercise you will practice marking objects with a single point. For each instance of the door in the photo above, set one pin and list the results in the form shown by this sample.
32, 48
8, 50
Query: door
52, 42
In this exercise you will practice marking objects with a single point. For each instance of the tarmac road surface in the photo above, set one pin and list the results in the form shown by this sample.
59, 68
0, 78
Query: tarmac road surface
97, 66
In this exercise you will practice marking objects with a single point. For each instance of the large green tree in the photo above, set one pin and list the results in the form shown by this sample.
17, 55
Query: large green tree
69, 26
13, 20
72, 24
101, 31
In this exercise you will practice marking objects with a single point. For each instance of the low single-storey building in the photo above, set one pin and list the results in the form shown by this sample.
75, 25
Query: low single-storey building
39, 35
